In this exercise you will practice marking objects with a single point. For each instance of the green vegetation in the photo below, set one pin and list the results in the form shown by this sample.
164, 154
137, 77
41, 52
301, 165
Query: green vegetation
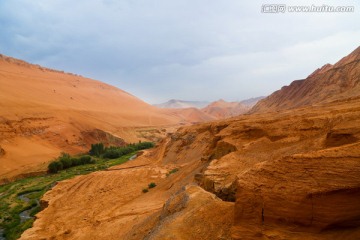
172, 171
97, 149
116, 152
150, 185
65, 161
64, 167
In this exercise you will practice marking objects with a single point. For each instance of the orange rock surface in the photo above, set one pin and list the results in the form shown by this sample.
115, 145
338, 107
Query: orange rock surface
290, 174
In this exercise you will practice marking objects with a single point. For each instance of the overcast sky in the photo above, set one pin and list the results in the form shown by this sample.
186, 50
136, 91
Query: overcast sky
183, 49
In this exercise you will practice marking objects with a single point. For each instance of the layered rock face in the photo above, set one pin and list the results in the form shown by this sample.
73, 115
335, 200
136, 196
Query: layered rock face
292, 175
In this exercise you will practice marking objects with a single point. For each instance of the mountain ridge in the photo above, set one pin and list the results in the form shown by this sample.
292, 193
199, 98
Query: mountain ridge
176, 103
325, 84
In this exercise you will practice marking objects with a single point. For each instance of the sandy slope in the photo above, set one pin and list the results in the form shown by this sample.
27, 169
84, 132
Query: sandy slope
44, 112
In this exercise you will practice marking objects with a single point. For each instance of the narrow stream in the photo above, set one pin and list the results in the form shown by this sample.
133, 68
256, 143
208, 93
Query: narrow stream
2, 234
25, 215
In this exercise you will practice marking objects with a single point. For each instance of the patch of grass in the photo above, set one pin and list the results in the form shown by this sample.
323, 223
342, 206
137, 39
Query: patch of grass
172, 171
35, 187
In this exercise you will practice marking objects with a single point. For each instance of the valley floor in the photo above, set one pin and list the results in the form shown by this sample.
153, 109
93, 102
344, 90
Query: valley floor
289, 175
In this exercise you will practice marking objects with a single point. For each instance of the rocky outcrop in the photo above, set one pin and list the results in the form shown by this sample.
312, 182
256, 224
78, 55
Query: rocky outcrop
290, 175
317, 196
190, 215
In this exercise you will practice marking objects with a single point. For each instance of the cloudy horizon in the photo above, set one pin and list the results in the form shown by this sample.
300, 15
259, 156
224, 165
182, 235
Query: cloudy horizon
189, 50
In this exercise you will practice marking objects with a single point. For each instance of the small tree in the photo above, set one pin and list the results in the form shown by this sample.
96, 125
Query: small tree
52, 168
55, 167
97, 149
86, 159
111, 154
152, 185
76, 161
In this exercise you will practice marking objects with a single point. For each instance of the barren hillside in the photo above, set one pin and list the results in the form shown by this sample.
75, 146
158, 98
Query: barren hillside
44, 112
222, 109
329, 83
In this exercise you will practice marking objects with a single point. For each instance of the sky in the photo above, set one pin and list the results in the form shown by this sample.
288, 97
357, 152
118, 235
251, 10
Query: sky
201, 50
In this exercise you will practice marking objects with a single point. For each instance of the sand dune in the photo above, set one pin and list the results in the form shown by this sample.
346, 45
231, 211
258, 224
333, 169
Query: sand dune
44, 112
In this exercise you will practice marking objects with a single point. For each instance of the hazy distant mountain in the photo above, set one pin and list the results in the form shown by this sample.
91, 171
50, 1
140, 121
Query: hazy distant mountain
221, 109
251, 101
174, 103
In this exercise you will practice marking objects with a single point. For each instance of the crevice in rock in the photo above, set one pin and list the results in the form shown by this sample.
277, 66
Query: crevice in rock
225, 193
2, 152
336, 139
222, 148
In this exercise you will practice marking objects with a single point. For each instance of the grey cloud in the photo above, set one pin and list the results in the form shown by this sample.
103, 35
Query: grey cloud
161, 49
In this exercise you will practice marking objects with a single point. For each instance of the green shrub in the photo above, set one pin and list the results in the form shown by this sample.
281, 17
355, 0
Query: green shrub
76, 162
111, 154
52, 168
55, 166
64, 158
145, 190
66, 162
97, 149
152, 185
144, 145
172, 171
86, 159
